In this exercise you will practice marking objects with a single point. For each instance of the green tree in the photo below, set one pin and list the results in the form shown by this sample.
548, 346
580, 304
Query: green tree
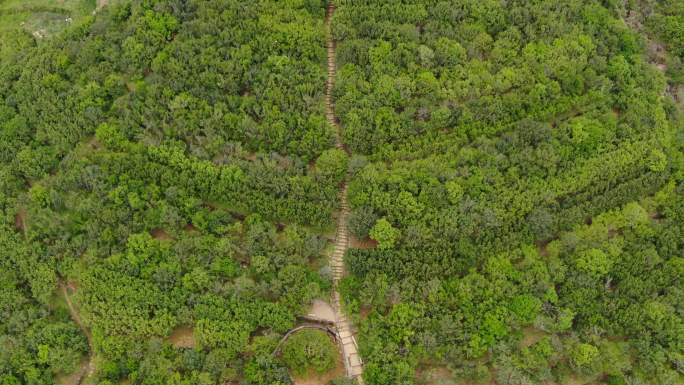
332, 164
384, 233
584, 354
309, 350
594, 262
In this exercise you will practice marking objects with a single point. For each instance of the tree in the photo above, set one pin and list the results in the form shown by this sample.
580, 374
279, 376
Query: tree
309, 350
594, 262
361, 221
332, 164
584, 354
384, 233
525, 308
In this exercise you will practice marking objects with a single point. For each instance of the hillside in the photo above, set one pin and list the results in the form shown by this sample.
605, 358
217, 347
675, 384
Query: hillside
398, 192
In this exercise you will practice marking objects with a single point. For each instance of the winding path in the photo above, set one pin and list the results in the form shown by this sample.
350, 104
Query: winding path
316, 326
88, 369
352, 360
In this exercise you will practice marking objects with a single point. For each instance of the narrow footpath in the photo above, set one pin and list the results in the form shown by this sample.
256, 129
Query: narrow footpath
88, 369
352, 360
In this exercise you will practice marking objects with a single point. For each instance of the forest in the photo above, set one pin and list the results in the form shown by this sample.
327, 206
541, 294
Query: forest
173, 174
520, 173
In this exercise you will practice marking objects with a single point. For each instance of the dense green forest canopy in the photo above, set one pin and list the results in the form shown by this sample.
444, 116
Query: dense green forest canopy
490, 134
170, 163
515, 177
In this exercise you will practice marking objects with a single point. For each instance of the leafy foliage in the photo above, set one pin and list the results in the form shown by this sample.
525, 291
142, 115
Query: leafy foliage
517, 163
492, 130
172, 162
310, 350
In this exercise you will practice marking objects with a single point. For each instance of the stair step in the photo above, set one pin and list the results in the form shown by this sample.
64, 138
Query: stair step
342, 236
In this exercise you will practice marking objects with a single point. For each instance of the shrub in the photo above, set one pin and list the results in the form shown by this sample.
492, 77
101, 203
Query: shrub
309, 349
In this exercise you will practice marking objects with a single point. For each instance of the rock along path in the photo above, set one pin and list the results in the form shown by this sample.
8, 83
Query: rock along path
352, 360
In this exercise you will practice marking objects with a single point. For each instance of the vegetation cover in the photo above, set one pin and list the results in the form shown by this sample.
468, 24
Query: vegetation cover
310, 350
487, 134
515, 178
171, 163
26, 23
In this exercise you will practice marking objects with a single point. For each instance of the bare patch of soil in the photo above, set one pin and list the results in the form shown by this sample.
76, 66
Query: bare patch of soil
94, 143
75, 377
183, 337
575, 380
542, 248
20, 220
363, 244
434, 374
322, 310
161, 235
238, 216
364, 312
531, 336
657, 54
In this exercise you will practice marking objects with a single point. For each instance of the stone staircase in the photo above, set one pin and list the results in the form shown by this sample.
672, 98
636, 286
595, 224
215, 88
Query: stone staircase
350, 350
352, 360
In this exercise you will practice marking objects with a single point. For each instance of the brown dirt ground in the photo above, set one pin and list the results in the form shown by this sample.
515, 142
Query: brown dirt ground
363, 244
364, 312
433, 374
20, 220
75, 377
322, 310
542, 249
182, 337
531, 336
160, 234
575, 380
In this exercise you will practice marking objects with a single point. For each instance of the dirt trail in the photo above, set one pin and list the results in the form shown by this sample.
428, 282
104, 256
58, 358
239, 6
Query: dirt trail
88, 368
656, 52
20, 221
352, 361
183, 337
321, 310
